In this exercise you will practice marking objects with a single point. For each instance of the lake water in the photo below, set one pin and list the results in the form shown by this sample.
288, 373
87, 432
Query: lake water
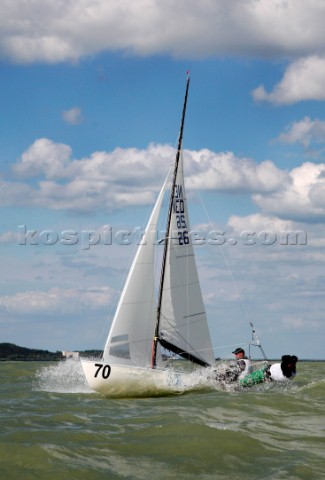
53, 427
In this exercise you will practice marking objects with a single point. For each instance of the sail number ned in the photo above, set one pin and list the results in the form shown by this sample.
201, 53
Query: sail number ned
103, 370
179, 211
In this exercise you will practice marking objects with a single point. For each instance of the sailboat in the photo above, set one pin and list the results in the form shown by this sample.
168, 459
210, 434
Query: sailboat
149, 327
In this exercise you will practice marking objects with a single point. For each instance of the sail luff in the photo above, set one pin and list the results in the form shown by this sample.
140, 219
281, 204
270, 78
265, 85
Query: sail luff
171, 201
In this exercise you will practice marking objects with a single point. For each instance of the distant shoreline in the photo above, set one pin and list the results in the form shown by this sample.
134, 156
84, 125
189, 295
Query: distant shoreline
15, 353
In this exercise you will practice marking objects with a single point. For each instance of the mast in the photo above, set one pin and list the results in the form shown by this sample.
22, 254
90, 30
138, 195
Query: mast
171, 202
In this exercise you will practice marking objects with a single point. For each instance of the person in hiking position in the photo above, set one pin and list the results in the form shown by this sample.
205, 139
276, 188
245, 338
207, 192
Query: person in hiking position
278, 372
286, 370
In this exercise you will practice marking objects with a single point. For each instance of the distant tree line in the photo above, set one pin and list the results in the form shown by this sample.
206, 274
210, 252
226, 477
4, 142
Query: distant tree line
12, 352
9, 351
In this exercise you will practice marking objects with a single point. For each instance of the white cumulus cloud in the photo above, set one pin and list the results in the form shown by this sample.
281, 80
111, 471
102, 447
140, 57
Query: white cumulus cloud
302, 198
57, 300
55, 31
303, 80
258, 222
225, 171
44, 157
123, 177
105, 180
305, 132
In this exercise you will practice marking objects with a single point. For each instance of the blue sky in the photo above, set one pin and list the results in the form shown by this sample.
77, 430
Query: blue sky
91, 97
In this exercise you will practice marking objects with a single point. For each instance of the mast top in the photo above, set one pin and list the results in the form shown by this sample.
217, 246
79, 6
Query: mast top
180, 138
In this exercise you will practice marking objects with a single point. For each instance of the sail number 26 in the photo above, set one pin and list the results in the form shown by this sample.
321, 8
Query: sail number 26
105, 370
182, 234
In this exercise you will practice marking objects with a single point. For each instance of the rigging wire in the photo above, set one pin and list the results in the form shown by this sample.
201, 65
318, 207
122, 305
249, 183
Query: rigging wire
243, 306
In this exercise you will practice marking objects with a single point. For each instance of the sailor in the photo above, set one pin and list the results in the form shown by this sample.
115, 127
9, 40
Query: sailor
286, 370
243, 363
278, 372
237, 370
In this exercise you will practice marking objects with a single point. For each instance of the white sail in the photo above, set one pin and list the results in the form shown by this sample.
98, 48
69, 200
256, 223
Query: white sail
130, 338
183, 322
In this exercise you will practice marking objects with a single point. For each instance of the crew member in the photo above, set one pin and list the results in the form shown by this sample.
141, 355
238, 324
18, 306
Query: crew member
286, 370
278, 372
243, 363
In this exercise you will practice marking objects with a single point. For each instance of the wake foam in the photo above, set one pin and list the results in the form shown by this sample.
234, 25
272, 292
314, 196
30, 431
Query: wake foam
64, 377
198, 380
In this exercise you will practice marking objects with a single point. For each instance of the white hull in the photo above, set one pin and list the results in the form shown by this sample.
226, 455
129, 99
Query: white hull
123, 381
